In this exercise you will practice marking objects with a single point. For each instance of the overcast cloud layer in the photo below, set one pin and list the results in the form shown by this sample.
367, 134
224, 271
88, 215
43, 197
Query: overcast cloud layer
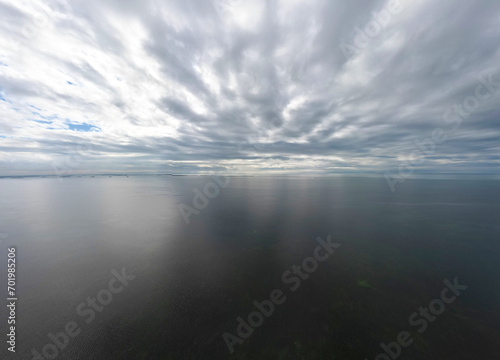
249, 86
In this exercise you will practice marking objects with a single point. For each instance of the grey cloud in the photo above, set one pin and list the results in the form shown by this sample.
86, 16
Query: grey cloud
267, 87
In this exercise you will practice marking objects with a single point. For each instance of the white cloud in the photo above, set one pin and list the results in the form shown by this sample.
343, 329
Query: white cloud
248, 86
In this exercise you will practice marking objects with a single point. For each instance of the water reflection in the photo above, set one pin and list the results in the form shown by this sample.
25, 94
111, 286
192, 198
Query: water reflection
193, 280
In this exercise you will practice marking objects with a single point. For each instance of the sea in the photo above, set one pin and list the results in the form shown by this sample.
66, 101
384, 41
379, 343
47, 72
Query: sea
251, 267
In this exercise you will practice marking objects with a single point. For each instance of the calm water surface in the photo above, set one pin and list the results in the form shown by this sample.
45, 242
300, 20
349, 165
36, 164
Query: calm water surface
193, 280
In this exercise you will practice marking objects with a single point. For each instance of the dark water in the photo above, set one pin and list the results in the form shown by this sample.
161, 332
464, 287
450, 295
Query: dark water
193, 280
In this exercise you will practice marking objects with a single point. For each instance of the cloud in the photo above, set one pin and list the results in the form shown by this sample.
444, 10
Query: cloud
260, 86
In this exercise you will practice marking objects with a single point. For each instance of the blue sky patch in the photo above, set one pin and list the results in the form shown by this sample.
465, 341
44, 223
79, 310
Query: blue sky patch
82, 127
50, 117
2, 97
42, 121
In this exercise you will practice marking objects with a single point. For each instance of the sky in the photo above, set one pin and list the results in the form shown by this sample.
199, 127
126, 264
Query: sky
249, 87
